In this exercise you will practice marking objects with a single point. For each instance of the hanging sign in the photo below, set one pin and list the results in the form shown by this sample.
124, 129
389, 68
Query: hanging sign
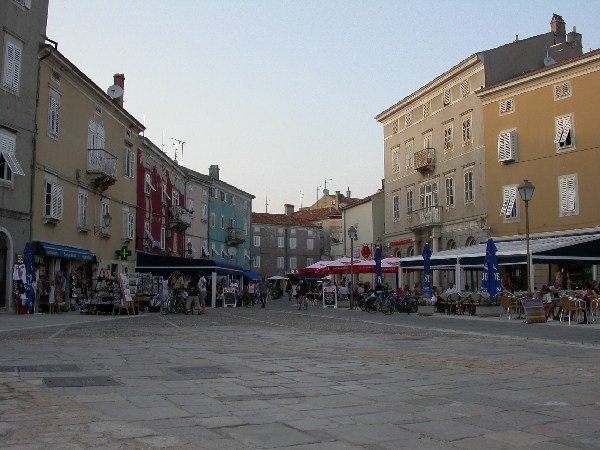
365, 251
123, 253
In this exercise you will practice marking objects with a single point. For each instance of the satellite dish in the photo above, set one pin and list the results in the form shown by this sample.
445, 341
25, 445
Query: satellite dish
115, 91
548, 61
231, 251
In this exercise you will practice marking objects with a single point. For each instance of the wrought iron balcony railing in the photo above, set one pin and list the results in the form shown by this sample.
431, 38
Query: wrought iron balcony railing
425, 217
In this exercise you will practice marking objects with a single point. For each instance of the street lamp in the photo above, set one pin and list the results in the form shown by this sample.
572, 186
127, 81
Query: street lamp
526, 189
352, 235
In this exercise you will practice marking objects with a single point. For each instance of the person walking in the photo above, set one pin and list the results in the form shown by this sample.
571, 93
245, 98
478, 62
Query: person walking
202, 289
264, 292
192, 300
251, 294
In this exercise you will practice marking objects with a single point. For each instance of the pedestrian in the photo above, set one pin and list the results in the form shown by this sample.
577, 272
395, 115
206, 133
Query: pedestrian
251, 294
202, 288
264, 292
57, 292
192, 300
507, 283
288, 289
52, 298
165, 289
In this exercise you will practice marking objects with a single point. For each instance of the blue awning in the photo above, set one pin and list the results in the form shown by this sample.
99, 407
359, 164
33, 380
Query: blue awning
61, 251
252, 275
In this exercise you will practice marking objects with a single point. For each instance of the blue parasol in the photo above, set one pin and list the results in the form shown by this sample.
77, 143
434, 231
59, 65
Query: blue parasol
426, 271
377, 258
490, 279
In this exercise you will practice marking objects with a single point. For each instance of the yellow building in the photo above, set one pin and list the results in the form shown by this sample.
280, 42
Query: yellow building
543, 127
84, 186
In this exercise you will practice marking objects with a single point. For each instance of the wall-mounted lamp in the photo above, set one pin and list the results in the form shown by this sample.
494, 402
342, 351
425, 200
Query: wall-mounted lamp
105, 223
189, 249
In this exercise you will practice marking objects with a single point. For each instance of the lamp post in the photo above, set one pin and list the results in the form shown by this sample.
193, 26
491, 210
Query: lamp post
526, 189
352, 236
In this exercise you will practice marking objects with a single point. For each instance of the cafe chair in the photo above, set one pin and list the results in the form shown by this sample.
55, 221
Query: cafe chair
571, 307
454, 304
507, 303
594, 309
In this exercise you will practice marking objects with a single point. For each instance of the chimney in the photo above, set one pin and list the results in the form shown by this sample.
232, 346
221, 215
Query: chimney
119, 80
557, 25
289, 209
348, 194
574, 39
213, 171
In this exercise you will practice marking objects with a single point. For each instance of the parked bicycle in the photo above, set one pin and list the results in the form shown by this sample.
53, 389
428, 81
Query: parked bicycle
404, 303
174, 303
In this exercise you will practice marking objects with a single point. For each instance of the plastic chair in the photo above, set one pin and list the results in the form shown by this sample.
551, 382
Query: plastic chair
508, 305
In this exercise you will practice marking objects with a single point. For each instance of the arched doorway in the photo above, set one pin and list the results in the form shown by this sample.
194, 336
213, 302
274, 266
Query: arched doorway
3, 268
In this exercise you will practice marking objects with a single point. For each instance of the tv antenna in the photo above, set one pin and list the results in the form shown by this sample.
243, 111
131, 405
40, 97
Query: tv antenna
266, 203
325, 191
301, 197
318, 187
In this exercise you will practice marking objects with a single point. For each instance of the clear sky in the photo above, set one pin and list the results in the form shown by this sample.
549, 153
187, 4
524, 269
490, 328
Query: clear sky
282, 94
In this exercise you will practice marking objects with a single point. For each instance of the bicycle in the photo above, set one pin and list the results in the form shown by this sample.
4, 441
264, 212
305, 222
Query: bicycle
404, 303
173, 303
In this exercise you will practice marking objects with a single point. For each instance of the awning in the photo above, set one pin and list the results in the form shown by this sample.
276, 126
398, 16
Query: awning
160, 264
61, 251
252, 275
544, 250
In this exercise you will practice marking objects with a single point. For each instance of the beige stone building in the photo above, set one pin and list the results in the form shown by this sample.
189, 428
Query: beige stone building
543, 127
84, 186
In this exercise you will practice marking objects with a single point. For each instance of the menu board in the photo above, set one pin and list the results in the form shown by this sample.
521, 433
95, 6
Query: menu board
229, 297
329, 297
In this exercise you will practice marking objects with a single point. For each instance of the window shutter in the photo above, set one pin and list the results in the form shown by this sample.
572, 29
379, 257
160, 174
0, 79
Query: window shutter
130, 226
510, 197
124, 224
7, 148
563, 128
12, 66
57, 201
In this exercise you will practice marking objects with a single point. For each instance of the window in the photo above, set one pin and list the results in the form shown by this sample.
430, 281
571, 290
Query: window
395, 162
567, 189
232, 222
163, 238
95, 135
408, 119
245, 205
280, 242
147, 229
24, 3
129, 163
164, 195
223, 196
428, 195
409, 201
128, 225
428, 140
257, 241
204, 211
292, 242
222, 222
104, 210
147, 184
446, 97
310, 244
212, 220
448, 144
293, 231
449, 191
562, 90
293, 263
8, 159
53, 201
507, 146
175, 198
507, 106
409, 146
310, 261
394, 127
256, 261
509, 203
11, 75
427, 109
564, 132
190, 204
465, 88
82, 207
467, 130
53, 113
469, 195
281, 262
396, 207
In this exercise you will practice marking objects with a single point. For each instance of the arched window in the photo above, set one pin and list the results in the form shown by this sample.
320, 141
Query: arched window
398, 254
411, 251
471, 241
451, 245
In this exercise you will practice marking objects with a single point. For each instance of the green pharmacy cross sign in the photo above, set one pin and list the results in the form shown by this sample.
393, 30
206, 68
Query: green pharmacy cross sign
123, 253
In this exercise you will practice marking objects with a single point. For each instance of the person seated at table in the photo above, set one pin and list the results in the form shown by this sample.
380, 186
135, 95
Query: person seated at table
589, 292
451, 289
416, 291
434, 295
343, 292
545, 297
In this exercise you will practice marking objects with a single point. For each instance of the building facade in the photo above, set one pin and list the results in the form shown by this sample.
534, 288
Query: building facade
434, 147
542, 127
229, 222
196, 236
23, 24
84, 182
283, 243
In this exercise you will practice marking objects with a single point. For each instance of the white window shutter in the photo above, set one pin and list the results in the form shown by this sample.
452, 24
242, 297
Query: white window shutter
510, 197
566, 129
57, 201
559, 130
571, 190
7, 148
124, 224
130, 226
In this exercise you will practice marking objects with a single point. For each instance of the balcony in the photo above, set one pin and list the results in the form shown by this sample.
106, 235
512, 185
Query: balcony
235, 236
425, 160
179, 218
102, 166
425, 217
